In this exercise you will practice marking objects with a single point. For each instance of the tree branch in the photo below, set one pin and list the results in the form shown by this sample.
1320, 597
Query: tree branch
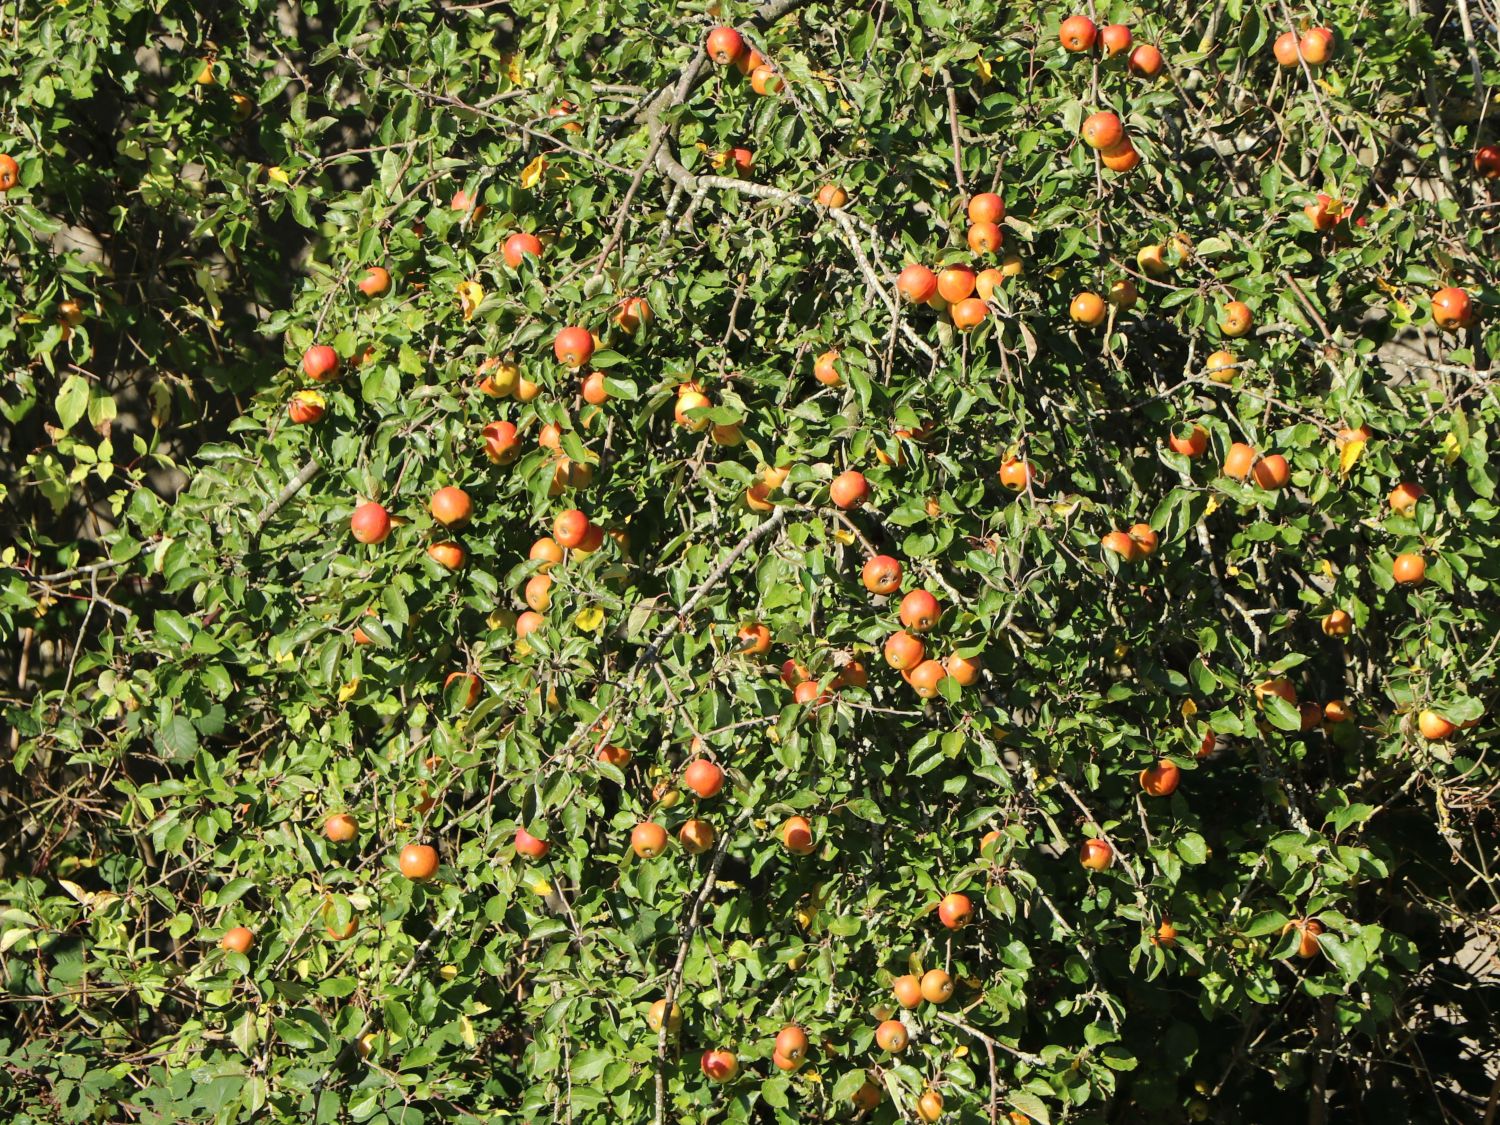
294, 486
653, 651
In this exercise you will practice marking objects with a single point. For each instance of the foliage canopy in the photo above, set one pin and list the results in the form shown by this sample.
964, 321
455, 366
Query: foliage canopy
1270, 746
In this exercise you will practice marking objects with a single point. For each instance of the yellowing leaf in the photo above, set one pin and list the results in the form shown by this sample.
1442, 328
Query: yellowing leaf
448, 972
961, 1051
346, 692
540, 886
470, 296
533, 172
466, 1030
1211, 507
1349, 456
1450, 449
512, 68
589, 619
843, 535
1188, 709
1327, 568
275, 173
719, 160
1232, 570
986, 72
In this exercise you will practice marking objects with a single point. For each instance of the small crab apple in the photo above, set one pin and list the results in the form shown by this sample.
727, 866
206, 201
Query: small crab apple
1317, 45
573, 346
904, 651
955, 910
704, 778
1078, 34
306, 407
1120, 158
1088, 309
529, 845
892, 1036
832, 195
849, 489
1409, 569
1146, 61
725, 45
696, 836
917, 284
1285, 49
520, 246
320, 362
764, 80
648, 840
502, 443
968, 313
1162, 779
1102, 130
719, 1065
1192, 445
1114, 39
882, 574
376, 282
986, 207
1324, 213
1236, 319
985, 238
919, 611
370, 523
1096, 854
633, 314
1452, 309
797, 836
418, 862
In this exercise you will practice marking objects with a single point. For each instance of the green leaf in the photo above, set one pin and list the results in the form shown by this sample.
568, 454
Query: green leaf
72, 401
1282, 714
1032, 1106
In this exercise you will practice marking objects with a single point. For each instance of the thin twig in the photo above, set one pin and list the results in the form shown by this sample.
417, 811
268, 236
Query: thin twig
653, 651
294, 486
958, 151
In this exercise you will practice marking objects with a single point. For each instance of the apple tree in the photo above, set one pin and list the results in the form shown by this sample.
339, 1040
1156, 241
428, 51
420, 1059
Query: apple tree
800, 562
